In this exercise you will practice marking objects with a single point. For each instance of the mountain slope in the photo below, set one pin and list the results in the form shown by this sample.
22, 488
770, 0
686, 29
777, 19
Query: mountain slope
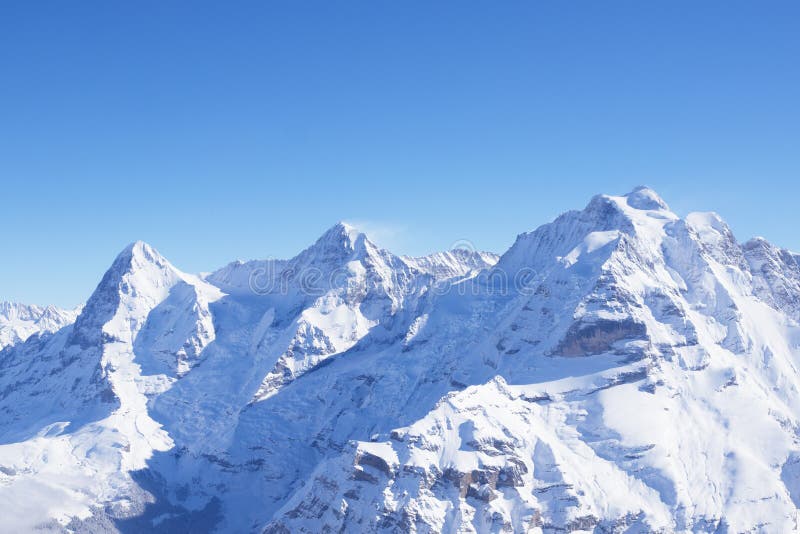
618, 369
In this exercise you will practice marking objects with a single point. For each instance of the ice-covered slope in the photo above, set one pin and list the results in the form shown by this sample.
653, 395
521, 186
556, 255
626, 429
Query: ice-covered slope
619, 369
18, 321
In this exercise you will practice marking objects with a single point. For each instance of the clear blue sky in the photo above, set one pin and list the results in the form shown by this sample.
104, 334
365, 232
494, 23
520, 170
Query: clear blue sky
224, 130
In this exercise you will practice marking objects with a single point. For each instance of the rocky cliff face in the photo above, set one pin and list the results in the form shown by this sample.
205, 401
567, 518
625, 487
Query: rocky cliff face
620, 369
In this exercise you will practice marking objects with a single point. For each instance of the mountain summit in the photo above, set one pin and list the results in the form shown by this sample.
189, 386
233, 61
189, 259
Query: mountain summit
619, 369
644, 198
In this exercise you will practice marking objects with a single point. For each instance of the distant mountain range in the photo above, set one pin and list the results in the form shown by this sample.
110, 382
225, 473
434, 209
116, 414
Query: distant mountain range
620, 369
18, 322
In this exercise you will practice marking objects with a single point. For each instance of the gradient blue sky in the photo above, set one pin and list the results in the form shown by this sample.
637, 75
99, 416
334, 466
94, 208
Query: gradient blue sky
224, 130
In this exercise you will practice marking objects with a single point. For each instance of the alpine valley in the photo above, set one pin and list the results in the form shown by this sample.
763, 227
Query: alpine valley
620, 369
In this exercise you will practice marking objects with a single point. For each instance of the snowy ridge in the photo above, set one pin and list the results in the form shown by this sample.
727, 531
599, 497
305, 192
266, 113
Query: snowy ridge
455, 264
620, 369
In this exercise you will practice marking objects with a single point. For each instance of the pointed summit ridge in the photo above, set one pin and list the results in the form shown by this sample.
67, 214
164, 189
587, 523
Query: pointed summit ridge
339, 243
140, 274
342, 234
138, 254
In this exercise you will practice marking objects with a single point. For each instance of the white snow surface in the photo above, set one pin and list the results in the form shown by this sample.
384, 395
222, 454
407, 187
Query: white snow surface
620, 369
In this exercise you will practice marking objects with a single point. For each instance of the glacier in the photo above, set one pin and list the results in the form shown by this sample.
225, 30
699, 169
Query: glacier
619, 369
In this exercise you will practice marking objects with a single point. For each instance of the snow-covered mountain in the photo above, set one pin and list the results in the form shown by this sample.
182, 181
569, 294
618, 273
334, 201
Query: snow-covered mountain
620, 369
18, 321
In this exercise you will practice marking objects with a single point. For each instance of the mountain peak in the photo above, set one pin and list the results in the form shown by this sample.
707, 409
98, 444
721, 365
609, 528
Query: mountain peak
140, 251
341, 237
644, 198
134, 257
138, 272
344, 229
